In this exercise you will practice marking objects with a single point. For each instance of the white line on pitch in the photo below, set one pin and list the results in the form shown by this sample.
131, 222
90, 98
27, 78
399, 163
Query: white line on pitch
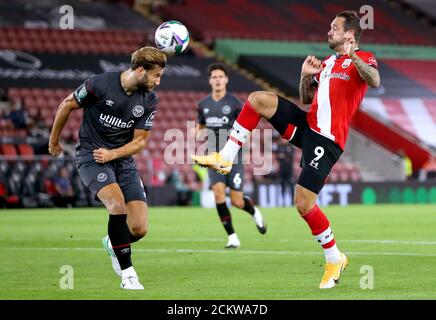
402, 254
369, 241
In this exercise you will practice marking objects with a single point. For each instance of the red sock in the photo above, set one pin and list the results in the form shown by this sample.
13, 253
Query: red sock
320, 226
243, 126
248, 118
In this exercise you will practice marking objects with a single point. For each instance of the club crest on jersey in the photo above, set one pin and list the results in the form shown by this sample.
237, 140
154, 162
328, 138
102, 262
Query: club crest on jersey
138, 111
102, 177
346, 63
372, 61
227, 109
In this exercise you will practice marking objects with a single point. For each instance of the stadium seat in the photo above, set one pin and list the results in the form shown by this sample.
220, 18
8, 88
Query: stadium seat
313, 17
25, 149
8, 150
70, 41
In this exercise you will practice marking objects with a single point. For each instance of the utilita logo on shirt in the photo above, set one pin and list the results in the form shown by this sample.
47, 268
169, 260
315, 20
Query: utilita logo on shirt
216, 121
111, 121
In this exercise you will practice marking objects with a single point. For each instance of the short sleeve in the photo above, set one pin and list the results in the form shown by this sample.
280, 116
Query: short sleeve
315, 80
146, 121
369, 59
201, 119
86, 94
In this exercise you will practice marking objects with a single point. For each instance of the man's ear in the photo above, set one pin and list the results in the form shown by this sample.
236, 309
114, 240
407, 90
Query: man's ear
140, 72
350, 33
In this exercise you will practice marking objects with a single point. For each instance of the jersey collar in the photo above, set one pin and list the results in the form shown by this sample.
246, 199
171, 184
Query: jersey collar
338, 56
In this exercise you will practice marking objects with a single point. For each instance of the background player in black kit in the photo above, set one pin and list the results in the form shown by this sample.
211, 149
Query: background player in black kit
119, 109
217, 112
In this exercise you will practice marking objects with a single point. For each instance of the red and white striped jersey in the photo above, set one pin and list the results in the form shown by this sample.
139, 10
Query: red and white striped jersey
338, 96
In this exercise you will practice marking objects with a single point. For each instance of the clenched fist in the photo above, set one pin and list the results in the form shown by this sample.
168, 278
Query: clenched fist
55, 148
102, 155
311, 66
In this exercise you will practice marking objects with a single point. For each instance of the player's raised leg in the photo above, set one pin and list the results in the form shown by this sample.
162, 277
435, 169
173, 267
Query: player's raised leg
119, 234
260, 104
244, 203
336, 261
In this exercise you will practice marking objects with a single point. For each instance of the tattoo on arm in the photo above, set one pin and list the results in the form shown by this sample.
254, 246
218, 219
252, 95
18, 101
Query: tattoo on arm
306, 89
367, 72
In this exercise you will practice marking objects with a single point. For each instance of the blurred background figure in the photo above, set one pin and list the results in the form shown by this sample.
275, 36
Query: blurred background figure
64, 190
183, 192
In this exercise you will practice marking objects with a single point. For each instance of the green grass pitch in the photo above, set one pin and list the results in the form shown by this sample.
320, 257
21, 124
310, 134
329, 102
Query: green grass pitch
183, 256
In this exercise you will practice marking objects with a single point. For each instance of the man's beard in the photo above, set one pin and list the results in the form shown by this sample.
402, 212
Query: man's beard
144, 87
334, 45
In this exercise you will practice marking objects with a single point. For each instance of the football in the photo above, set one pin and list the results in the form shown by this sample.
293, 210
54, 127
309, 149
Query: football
172, 37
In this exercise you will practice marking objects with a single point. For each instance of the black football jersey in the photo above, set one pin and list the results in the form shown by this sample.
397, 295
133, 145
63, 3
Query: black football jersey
218, 117
110, 114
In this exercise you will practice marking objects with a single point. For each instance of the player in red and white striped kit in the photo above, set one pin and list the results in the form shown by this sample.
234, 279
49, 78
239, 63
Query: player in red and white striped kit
334, 88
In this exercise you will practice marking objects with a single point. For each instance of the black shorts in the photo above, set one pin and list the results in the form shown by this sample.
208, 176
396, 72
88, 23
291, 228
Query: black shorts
95, 175
319, 154
234, 179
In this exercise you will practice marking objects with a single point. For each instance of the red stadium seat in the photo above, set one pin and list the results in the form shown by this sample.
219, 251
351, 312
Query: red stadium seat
8, 150
3, 190
25, 149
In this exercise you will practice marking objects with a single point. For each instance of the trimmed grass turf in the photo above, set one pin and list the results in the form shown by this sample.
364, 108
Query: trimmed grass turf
183, 256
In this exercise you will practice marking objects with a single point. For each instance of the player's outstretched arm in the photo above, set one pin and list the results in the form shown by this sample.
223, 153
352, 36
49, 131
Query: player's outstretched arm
311, 66
366, 72
69, 104
137, 144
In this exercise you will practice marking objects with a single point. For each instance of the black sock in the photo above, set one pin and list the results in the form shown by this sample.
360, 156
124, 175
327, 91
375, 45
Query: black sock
119, 235
134, 238
225, 217
286, 113
248, 206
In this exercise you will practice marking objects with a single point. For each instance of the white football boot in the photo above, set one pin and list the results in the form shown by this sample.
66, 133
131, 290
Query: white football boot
130, 280
110, 251
233, 241
260, 223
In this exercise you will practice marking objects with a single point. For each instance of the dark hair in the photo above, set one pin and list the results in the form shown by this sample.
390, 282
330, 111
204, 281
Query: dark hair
148, 57
217, 66
352, 22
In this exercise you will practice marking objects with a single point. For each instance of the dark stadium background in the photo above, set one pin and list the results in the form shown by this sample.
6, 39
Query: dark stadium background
264, 46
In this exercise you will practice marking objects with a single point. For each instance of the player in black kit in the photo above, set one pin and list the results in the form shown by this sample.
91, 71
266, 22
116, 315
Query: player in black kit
119, 109
216, 113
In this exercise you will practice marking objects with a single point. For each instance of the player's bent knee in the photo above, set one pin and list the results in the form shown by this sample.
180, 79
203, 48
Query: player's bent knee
257, 100
219, 193
139, 231
263, 102
238, 203
302, 205
116, 206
